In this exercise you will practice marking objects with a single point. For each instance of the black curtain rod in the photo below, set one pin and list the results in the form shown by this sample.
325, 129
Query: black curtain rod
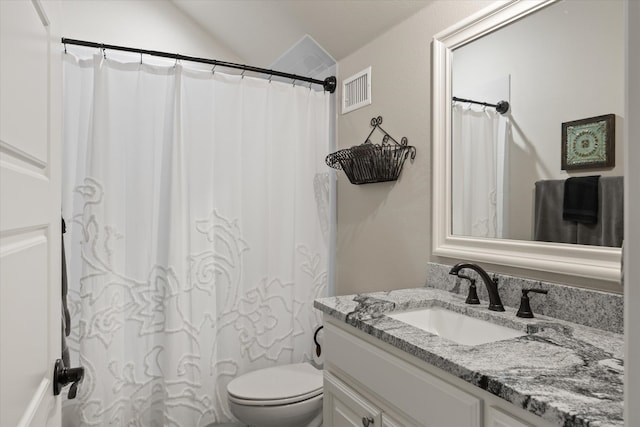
329, 84
501, 107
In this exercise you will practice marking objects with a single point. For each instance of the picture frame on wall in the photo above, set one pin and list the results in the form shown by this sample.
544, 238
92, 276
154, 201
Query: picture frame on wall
589, 143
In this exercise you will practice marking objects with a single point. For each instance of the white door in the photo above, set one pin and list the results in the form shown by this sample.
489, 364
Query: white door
30, 225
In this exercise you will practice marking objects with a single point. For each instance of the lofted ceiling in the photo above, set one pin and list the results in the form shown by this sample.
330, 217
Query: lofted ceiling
260, 31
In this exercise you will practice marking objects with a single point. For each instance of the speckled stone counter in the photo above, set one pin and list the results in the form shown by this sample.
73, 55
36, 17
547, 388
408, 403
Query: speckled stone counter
568, 374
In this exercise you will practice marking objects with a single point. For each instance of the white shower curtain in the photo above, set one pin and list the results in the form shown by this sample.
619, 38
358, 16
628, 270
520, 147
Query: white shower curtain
480, 182
198, 211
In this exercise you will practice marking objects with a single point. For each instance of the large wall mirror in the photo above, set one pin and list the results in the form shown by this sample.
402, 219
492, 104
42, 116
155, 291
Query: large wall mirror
499, 179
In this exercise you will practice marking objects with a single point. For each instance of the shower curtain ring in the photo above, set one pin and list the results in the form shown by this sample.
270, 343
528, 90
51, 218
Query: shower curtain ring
293, 83
140, 58
65, 48
242, 74
270, 77
213, 70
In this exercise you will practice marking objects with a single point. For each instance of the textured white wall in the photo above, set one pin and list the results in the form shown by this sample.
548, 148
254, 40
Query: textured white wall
384, 237
384, 229
144, 24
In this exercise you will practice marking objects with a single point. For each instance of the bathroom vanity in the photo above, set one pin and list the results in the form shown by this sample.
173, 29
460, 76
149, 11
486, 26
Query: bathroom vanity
565, 366
380, 371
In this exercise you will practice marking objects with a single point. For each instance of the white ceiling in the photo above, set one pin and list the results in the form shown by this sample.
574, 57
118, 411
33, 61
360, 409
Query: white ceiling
259, 31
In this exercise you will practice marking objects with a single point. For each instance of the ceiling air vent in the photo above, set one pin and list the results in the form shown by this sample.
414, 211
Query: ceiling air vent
356, 91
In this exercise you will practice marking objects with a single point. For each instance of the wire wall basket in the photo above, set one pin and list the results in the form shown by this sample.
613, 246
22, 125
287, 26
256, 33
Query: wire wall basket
368, 162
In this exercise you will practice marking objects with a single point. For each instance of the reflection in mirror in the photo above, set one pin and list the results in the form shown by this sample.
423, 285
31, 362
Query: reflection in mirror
573, 71
562, 63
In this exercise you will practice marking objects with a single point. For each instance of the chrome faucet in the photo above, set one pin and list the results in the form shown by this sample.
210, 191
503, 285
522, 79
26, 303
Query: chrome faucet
495, 304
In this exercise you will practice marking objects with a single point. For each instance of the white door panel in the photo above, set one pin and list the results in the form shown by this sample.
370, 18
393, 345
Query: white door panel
30, 312
25, 79
16, 181
23, 358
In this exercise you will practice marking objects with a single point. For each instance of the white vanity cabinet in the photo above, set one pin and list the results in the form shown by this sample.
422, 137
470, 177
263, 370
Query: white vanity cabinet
369, 383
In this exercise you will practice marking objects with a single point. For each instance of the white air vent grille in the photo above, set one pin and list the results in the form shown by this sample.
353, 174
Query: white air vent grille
356, 91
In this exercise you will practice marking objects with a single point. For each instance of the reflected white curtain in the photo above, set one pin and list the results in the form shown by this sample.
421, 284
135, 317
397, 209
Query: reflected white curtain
480, 153
197, 206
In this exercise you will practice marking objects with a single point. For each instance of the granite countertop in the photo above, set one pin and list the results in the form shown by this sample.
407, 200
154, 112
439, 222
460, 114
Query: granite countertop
566, 373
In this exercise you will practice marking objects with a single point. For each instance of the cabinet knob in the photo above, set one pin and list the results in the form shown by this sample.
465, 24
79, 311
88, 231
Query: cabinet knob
367, 421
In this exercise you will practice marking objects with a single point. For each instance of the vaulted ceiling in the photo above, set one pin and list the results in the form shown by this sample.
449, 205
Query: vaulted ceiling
259, 31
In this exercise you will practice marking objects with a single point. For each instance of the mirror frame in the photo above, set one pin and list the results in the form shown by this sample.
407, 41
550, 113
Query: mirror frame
595, 262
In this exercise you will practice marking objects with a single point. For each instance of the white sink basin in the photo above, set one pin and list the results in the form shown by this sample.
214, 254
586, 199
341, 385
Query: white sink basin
456, 327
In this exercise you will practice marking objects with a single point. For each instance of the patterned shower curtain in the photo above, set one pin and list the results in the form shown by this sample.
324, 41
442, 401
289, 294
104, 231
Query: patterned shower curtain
197, 206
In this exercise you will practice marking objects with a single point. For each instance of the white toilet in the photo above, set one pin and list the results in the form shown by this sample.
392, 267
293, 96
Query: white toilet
282, 396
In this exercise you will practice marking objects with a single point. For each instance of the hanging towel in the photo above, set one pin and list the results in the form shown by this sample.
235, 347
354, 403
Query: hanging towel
66, 317
609, 231
548, 223
581, 199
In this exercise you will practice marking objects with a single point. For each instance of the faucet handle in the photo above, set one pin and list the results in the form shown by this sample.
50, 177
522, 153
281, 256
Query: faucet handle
472, 297
525, 307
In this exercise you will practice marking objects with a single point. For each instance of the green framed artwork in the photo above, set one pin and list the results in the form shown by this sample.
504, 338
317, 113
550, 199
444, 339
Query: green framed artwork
589, 143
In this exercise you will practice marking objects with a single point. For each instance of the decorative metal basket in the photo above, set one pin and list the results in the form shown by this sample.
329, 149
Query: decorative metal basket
369, 162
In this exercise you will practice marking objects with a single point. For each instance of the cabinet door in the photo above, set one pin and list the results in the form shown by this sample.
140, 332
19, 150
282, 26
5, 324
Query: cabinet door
498, 418
387, 421
343, 407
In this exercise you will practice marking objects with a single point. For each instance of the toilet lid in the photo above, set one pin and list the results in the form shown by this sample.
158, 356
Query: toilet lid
277, 383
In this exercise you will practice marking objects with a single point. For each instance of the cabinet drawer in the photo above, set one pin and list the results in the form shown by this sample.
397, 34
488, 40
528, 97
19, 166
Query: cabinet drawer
420, 395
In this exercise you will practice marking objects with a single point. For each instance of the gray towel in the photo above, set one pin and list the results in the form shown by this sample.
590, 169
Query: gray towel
548, 223
609, 230
550, 227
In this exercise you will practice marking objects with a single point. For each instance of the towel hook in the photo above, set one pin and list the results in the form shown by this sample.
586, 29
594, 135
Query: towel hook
315, 340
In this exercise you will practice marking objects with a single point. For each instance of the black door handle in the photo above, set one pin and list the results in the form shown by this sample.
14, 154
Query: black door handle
63, 376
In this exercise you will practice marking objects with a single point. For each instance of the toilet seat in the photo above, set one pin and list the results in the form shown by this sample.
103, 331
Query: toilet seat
275, 402
279, 385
